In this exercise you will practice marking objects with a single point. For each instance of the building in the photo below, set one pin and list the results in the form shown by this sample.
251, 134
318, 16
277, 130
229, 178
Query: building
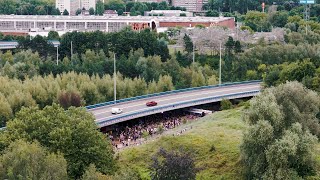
87, 4
110, 13
38, 24
190, 5
168, 13
70, 5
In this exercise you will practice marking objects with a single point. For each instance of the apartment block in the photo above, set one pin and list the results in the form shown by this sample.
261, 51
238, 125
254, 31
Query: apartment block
190, 5
87, 4
70, 5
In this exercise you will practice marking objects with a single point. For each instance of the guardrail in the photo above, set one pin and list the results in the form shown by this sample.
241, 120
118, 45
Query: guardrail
167, 92
118, 119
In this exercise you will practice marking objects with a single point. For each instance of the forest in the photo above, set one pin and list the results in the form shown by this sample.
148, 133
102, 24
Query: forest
41, 101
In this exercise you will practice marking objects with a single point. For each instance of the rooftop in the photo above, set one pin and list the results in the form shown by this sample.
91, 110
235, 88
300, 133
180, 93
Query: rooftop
146, 18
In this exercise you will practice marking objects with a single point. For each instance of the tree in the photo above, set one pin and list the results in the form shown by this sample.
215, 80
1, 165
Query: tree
100, 8
283, 131
23, 160
212, 13
78, 12
91, 173
5, 110
72, 132
65, 13
91, 11
53, 35
188, 44
279, 18
257, 21
173, 166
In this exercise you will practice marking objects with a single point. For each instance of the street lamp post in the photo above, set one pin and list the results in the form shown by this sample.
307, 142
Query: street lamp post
220, 66
114, 79
57, 55
71, 50
193, 54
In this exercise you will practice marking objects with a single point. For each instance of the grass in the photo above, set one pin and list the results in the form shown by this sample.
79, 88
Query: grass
214, 141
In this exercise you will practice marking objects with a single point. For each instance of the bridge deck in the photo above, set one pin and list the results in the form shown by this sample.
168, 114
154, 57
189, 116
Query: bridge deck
104, 113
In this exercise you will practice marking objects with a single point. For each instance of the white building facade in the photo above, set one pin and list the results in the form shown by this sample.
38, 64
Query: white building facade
87, 4
190, 5
73, 5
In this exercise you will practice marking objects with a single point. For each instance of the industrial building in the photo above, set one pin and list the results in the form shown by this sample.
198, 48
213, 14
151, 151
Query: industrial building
21, 23
169, 13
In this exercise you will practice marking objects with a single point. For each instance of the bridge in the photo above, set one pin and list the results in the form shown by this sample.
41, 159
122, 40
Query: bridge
136, 107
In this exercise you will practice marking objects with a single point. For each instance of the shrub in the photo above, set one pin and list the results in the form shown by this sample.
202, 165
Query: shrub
225, 104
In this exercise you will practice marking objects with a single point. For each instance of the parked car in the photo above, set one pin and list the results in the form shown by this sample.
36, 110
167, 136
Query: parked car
116, 110
151, 103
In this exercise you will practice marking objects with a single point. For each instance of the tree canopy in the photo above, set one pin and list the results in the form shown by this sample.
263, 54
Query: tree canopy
24, 160
283, 130
71, 132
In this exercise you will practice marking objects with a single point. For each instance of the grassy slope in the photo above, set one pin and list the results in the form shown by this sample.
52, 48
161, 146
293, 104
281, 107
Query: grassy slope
223, 130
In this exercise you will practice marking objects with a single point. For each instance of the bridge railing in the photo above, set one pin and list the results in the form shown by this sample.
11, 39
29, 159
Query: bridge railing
166, 93
177, 105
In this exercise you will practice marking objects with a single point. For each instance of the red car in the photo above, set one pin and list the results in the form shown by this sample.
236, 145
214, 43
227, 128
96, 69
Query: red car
151, 103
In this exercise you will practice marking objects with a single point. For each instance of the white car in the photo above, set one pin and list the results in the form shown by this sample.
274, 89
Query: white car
116, 110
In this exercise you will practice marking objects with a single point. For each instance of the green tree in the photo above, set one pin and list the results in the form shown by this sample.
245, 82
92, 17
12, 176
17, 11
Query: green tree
65, 12
91, 11
173, 166
188, 44
5, 110
71, 132
91, 173
23, 160
78, 12
279, 18
257, 21
100, 8
212, 13
283, 128
53, 35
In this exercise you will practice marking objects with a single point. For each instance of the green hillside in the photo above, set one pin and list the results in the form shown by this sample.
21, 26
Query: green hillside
214, 141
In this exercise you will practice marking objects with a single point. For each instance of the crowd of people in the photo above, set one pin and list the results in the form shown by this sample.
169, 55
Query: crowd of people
134, 132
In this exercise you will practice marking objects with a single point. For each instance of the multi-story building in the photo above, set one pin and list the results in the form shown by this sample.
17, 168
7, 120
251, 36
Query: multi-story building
190, 5
70, 5
20, 23
87, 4
73, 5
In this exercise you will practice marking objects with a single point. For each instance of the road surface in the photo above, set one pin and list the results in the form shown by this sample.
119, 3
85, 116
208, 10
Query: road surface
104, 112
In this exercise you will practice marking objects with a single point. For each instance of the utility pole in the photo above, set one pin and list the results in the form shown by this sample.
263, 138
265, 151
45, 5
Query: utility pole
220, 66
57, 55
114, 78
71, 50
